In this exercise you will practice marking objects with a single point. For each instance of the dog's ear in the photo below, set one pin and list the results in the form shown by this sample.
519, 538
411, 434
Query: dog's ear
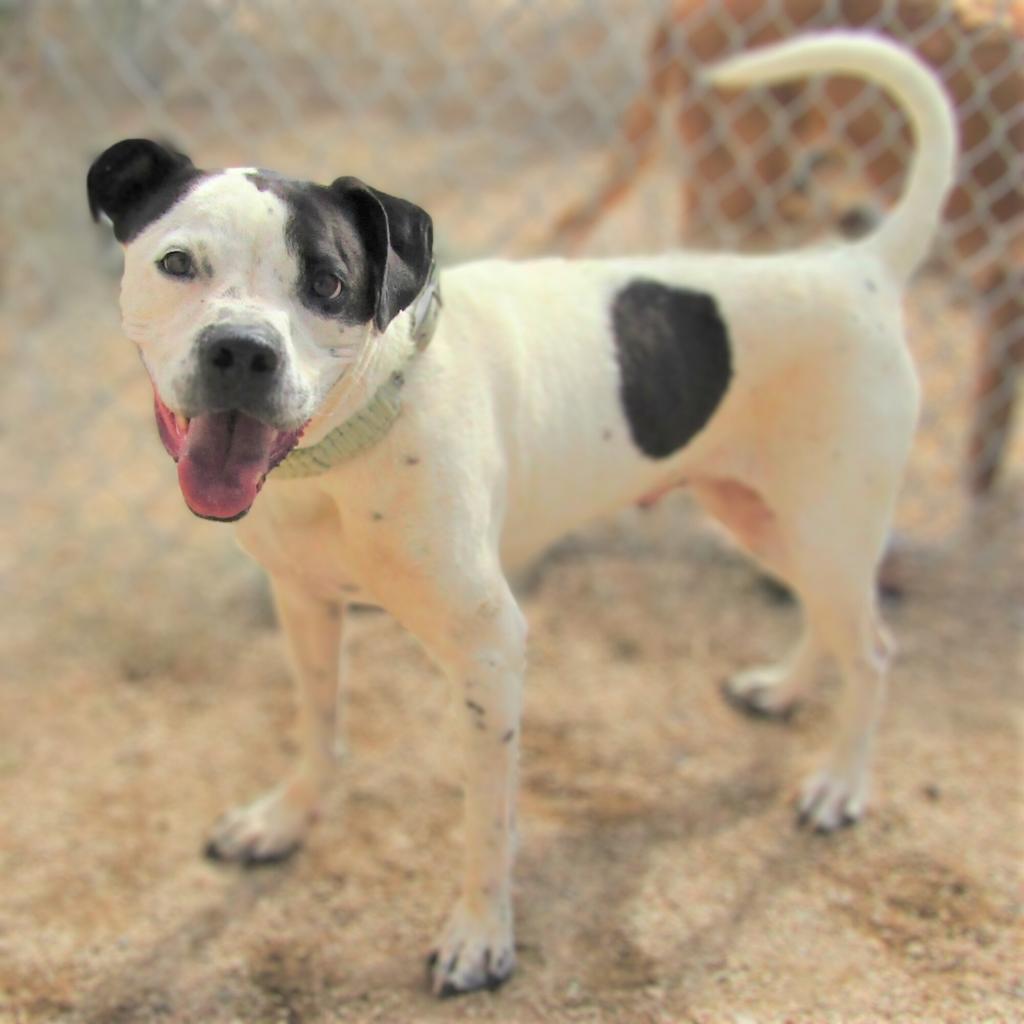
134, 182
399, 240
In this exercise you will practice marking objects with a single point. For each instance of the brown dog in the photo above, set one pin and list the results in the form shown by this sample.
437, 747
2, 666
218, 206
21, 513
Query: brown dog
749, 177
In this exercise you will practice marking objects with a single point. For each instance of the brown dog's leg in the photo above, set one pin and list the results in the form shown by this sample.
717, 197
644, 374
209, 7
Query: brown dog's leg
632, 155
1000, 356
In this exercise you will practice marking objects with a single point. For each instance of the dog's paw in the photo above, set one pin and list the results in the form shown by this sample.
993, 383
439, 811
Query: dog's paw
829, 800
475, 951
265, 831
759, 692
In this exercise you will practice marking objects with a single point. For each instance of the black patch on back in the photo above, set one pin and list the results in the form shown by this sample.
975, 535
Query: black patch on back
137, 181
673, 351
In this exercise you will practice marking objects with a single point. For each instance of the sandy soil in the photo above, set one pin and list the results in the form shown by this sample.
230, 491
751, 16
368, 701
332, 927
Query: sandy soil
661, 877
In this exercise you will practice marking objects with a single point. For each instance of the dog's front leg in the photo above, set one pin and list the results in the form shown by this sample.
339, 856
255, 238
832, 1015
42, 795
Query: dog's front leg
476, 947
273, 826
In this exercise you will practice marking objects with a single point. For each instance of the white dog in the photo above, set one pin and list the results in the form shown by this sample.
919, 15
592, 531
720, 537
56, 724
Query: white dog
441, 444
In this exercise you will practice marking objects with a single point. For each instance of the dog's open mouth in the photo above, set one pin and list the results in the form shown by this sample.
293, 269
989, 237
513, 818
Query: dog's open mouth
223, 457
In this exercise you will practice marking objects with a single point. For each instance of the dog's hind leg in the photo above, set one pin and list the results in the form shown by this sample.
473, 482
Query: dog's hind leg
826, 538
764, 690
840, 605
273, 826
836, 539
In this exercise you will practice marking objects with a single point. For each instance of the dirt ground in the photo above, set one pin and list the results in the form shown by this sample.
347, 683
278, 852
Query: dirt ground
660, 877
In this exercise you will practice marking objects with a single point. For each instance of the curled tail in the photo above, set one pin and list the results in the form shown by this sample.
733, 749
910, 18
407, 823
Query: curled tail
904, 237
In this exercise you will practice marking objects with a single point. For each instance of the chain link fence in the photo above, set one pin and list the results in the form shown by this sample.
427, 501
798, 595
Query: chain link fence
523, 127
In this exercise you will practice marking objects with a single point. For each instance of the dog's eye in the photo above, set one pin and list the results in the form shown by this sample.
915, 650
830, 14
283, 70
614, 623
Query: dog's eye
176, 264
326, 285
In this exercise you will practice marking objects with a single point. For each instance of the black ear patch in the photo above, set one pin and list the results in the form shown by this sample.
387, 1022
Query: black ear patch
674, 357
136, 181
399, 240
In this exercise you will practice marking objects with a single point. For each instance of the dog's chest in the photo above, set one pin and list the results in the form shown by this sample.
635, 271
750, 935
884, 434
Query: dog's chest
301, 541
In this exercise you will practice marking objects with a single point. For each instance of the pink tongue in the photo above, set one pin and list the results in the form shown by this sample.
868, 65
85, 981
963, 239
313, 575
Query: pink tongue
225, 458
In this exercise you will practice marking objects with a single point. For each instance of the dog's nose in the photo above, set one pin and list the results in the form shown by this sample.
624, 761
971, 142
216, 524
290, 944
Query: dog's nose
239, 357
239, 368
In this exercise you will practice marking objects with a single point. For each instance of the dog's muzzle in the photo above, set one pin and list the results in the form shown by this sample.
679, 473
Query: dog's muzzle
226, 448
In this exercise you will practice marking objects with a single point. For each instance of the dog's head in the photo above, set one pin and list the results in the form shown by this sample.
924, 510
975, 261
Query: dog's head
249, 295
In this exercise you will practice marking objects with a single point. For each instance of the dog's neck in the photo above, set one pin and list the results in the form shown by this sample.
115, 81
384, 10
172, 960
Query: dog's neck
364, 404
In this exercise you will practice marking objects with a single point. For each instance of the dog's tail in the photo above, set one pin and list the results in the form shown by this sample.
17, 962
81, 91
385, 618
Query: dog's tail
905, 235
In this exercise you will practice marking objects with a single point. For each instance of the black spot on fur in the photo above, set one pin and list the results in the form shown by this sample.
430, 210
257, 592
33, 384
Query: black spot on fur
412, 460
323, 236
136, 181
477, 709
857, 222
674, 357
377, 516
380, 246
507, 738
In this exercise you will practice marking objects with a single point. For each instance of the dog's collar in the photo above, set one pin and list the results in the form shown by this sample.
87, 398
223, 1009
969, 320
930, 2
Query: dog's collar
426, 309
366, 427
